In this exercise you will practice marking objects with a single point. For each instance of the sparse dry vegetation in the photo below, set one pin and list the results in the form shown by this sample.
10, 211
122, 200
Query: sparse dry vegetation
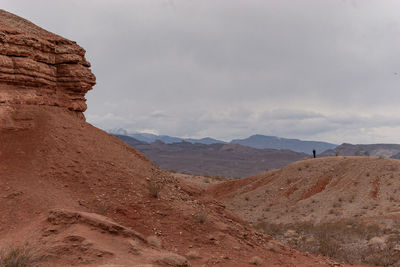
256, 260
154, 241
102, 208
193, 254
16, 256
349, 241
154, 188
201, 216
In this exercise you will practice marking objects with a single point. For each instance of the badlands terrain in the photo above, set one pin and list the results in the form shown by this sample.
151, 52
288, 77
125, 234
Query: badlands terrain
344, 207
73, 195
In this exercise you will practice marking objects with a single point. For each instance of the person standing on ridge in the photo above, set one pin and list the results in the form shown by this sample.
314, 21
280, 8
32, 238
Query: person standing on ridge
314, 153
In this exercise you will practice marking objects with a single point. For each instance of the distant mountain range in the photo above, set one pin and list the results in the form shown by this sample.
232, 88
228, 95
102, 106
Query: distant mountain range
254, 141
240, 157
150, 138
273, 142
229, 160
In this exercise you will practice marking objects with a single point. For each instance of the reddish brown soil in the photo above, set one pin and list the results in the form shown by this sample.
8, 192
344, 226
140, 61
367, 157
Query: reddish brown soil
318, 187
375, 188
290, 191
63, 163
79, 196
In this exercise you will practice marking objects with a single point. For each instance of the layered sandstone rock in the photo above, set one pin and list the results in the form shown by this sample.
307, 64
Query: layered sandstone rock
40, 68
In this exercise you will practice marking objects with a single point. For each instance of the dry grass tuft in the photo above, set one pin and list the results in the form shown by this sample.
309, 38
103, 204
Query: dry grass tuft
154, 188
193, 254
154, 241
16, 256
201, 216
102, 208
350, 241
256, 260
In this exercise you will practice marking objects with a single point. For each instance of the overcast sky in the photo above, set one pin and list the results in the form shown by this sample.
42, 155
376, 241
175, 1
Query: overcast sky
308, 69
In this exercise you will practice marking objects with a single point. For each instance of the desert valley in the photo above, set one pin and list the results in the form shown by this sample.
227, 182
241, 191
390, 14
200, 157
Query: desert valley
74, 195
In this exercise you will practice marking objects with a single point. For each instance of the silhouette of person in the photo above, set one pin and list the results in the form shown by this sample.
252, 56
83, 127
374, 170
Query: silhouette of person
314, 153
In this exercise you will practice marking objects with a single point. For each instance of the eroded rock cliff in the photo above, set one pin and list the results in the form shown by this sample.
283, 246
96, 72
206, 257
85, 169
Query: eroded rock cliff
40, 68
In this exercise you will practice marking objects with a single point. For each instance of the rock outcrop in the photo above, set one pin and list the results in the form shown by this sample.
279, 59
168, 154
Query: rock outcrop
40, 68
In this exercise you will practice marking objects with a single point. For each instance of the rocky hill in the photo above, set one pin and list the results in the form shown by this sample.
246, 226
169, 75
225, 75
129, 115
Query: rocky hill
317, 184
338, 206
73, 195
229, 160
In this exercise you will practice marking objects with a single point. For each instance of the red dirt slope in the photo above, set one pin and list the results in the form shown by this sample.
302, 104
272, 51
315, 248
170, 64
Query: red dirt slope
78, 195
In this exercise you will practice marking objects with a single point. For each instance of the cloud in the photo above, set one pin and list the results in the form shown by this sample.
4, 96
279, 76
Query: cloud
228, 69
304, 124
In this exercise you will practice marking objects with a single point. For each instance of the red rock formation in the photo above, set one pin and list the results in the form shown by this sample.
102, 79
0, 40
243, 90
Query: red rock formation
40, 68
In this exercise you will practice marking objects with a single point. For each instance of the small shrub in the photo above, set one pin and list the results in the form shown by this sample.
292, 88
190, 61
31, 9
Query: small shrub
202, 216
170, 259
328, 246
154, 241
193, 254
102, 208
20, 256
256, 260
337, 205
154, 188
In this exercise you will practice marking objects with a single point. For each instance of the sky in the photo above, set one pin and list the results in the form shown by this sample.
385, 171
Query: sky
307, 69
